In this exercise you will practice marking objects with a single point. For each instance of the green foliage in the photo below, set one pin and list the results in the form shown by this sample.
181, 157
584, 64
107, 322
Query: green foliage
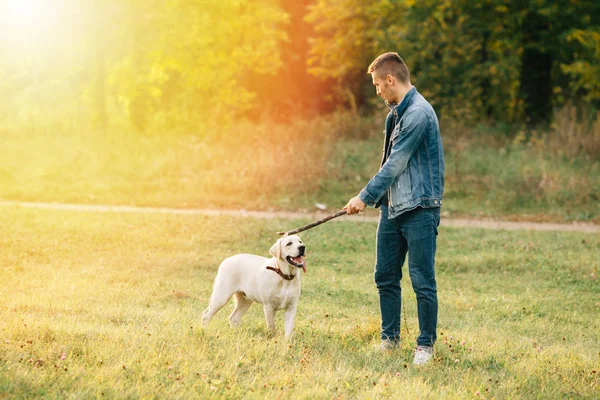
162, 64
171, 65
585, 68
479, 60
462, 59
193, 66
347, 37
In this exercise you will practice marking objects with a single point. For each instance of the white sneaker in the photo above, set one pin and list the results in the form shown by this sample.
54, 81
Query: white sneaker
423, 355
387, 345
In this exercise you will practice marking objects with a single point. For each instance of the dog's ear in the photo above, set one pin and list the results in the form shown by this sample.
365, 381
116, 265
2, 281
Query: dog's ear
276, 249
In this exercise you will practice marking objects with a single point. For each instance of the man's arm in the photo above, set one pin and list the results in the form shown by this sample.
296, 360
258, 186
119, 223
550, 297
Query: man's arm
405, 145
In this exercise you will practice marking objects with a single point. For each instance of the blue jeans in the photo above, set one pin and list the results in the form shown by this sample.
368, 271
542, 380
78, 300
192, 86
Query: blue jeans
414, 232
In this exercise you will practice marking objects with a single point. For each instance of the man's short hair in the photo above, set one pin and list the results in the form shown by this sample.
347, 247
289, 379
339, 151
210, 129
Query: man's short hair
390, 64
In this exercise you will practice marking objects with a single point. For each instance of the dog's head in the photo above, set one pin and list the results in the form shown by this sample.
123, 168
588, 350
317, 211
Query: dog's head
291, 250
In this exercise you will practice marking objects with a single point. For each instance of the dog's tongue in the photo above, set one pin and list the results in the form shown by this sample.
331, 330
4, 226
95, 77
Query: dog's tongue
300, 260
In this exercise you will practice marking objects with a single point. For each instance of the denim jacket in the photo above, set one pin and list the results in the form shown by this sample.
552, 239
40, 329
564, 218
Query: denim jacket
412, 169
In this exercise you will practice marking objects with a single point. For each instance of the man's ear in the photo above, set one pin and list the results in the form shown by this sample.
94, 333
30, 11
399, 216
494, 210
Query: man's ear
389, 79
276, 249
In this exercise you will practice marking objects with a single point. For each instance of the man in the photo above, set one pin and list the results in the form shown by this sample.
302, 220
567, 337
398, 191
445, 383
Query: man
409, 188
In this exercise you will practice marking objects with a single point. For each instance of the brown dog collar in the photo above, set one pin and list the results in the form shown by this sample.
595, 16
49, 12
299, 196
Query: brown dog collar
281, 274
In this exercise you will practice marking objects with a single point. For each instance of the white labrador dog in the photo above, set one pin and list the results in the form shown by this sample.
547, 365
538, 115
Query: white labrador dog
274, 282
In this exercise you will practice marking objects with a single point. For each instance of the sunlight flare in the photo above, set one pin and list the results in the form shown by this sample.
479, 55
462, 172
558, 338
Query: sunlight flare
31, 28
25, 13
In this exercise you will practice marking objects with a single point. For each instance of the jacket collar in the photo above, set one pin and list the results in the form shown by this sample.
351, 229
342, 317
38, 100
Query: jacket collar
401, 108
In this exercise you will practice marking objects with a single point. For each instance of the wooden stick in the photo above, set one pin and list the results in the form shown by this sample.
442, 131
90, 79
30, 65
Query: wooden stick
313, 224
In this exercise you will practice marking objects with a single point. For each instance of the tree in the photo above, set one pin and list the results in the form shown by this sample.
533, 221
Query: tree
490, 59
545, 31
185, 61
348, 36
584, 70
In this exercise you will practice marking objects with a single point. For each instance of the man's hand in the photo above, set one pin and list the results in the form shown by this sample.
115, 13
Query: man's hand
354, 206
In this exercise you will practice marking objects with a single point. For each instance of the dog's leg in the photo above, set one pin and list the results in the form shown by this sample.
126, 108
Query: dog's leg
290, 316
217, 301
269, 317
242, 304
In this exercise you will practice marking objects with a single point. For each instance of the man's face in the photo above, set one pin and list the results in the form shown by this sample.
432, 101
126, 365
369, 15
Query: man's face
383, 87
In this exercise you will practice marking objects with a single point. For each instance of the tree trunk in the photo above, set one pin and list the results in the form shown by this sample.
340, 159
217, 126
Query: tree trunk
535, 88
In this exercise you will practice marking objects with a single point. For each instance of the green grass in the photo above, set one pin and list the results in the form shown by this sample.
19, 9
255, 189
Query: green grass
291, 167
519, 182
107, 305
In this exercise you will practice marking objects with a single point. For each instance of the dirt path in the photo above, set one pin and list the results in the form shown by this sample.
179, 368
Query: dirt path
452, 222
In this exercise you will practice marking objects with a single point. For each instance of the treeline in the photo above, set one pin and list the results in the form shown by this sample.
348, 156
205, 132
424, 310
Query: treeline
174, 64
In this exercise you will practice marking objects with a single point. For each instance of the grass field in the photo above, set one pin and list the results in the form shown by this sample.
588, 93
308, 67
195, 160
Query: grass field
107, 305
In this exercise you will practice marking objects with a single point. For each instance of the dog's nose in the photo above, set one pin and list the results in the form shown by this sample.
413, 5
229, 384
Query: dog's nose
301, 248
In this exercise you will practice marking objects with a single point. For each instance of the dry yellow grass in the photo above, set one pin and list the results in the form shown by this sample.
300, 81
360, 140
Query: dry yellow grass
108, 305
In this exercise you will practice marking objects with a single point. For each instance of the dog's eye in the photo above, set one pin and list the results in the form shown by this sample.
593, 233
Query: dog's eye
289, 244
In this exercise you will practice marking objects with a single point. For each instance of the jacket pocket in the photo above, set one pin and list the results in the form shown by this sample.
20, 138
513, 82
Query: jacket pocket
401, 189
